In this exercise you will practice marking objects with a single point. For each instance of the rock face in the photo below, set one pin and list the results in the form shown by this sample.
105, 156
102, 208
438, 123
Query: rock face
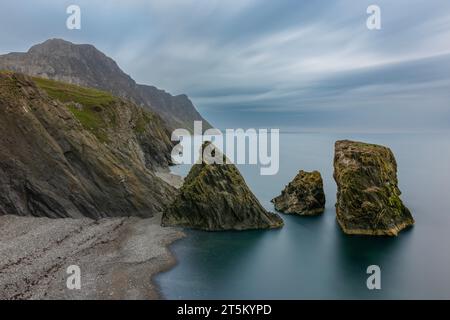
86, 66
215, 197
303, 196
67, 151
368, 197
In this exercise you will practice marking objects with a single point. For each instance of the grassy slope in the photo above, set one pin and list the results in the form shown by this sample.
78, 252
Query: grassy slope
95, 109
94, 113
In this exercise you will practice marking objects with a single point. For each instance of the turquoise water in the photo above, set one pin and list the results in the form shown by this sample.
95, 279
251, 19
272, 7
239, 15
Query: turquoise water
310, 258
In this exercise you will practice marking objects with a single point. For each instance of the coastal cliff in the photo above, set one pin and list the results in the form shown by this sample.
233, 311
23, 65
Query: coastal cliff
69, 151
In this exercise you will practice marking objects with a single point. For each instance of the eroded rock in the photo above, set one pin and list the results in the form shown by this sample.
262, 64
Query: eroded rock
215, 197
368, 197
303, 196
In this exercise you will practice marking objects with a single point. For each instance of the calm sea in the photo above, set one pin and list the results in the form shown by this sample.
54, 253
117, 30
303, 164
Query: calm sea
310, 258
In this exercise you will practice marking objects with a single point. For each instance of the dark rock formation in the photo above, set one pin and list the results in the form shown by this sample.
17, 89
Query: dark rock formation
67, 151
86, 66
215, 197
368, 197
303, 196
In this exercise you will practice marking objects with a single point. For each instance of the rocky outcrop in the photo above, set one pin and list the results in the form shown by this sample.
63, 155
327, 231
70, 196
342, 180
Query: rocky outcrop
303, 196
215, 197
86, 66
368, 197
68, 151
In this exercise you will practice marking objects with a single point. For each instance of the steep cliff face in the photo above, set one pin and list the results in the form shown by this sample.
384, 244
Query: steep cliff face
368, 198
67, 151
303, 196
215, 197
86, 66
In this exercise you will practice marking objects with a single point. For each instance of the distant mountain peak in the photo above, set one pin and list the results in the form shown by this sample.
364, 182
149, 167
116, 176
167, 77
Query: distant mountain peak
84, 64
55, 42
62, 47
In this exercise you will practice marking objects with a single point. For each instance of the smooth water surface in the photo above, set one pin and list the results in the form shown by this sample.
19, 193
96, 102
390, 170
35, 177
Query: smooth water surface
310, 258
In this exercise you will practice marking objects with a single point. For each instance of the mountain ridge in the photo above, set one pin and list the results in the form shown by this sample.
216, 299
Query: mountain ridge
85, 65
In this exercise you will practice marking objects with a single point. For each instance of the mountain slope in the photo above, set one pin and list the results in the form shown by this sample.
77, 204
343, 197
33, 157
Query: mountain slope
85, 65
67, 151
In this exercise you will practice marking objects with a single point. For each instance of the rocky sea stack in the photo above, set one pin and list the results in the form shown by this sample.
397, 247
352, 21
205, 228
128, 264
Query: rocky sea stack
303, 196
368, 197
215, 197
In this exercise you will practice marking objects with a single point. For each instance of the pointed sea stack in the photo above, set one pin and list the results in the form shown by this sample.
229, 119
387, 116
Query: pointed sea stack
303, 196
368, 197
215, 197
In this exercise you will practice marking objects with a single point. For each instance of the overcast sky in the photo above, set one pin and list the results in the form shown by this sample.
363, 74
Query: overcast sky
286, 63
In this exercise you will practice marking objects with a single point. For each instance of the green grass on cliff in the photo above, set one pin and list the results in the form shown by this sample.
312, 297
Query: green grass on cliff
6, 72
142, 122
66, 92
94, 113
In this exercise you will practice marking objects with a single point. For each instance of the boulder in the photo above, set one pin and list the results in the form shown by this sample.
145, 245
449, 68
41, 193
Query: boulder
303, 196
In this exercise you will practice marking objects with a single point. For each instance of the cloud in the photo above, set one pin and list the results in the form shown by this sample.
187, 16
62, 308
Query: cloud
287, 61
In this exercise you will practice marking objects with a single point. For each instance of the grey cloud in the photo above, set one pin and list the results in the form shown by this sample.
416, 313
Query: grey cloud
286, 62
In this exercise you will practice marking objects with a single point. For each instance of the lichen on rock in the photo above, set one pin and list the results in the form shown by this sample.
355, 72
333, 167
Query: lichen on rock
215, 197
303, 196
368, 197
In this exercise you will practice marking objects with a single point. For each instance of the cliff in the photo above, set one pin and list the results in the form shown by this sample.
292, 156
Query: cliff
69, 151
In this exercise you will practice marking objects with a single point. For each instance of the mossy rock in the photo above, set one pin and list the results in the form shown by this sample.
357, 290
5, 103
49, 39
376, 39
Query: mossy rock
303, 196
215, 197
368, 197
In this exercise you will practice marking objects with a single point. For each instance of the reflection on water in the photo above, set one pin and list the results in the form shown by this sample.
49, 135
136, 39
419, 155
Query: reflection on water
310, 258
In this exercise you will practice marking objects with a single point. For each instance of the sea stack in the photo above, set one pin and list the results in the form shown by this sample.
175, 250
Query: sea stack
215, 197
303, 196
368, 197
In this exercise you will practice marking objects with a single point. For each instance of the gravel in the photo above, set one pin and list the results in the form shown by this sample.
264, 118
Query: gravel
117, 257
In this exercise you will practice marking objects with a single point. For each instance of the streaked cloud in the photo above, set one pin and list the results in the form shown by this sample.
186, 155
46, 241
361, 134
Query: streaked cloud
289, 62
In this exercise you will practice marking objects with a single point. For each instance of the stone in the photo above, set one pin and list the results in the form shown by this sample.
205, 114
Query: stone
215, 197
368, 196
303, 196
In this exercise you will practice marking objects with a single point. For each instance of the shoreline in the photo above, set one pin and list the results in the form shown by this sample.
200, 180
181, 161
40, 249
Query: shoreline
172, 261
118, 257
175, 181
